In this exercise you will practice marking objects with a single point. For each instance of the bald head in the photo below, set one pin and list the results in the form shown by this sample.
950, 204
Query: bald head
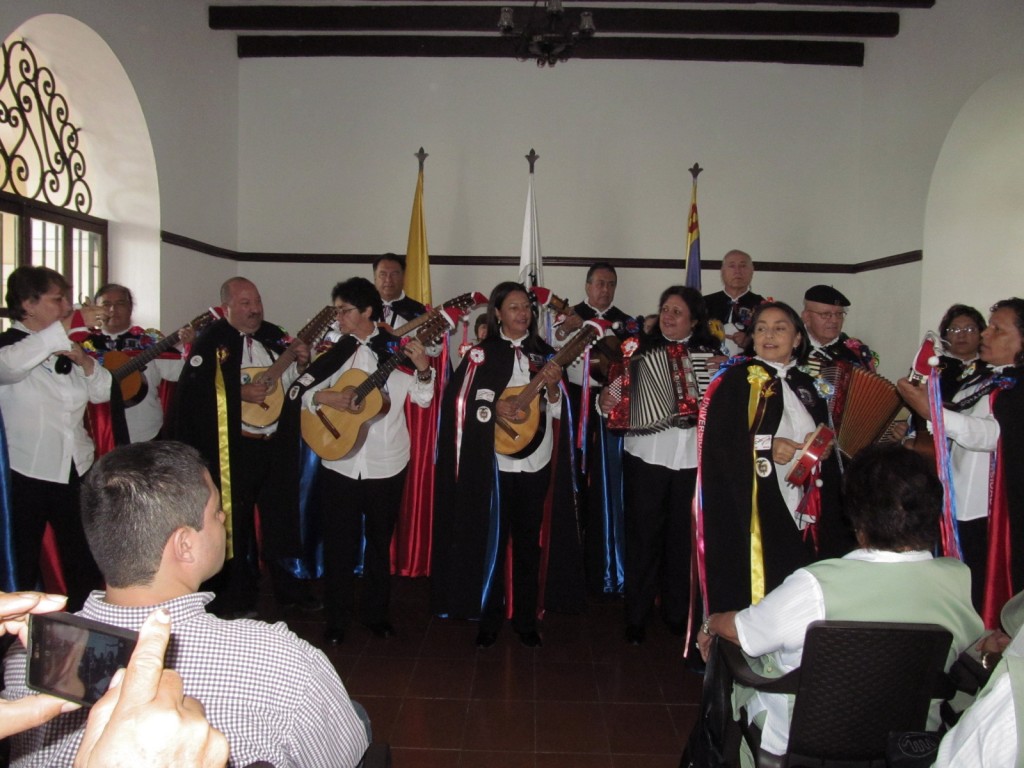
242, 304
737, 272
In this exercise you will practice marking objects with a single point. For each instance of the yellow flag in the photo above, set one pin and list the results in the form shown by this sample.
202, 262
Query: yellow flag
417, 258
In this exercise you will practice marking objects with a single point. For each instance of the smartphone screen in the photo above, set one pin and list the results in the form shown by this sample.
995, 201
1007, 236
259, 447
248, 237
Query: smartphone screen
74, 658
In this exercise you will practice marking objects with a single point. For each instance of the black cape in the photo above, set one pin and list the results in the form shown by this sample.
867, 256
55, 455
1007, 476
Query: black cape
194, 421
727, 476
463, 510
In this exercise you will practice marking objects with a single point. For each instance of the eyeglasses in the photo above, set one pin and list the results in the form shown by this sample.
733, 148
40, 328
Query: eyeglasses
969, 330
345, 310
830, 315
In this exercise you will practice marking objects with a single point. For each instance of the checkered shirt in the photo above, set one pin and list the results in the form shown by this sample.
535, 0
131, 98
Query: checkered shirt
275, 697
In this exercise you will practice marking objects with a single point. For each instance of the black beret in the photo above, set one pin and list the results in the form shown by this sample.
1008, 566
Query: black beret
826, 294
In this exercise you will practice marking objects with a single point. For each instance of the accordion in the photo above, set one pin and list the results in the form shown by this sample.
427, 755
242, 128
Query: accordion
659, 389
863, 406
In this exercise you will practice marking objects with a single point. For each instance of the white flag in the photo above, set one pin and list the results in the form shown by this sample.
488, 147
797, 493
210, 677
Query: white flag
531, 269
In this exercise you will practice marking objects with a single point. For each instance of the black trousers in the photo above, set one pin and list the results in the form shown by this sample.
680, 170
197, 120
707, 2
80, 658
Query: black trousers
349, 509
657, 511
974, 546
237, 585
521, 514
34, 503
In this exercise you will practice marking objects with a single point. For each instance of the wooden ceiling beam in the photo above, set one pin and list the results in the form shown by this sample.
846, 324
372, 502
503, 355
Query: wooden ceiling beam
814, 52
471, 18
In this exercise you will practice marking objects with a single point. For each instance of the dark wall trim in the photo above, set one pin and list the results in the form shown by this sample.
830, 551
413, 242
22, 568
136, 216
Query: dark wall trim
551, 261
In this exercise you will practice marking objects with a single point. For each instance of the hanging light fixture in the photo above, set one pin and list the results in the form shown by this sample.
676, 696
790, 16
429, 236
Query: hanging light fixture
549, 39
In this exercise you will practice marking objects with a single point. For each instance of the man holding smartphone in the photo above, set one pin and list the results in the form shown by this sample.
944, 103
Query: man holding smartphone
153, 520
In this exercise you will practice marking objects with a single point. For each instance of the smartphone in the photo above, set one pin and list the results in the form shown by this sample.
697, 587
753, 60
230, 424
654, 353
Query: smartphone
74, 658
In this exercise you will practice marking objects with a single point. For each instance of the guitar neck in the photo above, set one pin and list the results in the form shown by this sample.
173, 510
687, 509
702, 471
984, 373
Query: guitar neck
140, 360
564, 357
433, 327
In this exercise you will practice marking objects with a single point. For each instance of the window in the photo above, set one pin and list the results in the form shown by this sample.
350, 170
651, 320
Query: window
37, 234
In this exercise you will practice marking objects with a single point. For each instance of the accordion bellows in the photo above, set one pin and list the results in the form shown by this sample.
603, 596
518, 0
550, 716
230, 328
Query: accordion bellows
863, 407
660, 388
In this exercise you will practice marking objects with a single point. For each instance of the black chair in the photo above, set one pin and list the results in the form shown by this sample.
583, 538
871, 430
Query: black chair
858, 681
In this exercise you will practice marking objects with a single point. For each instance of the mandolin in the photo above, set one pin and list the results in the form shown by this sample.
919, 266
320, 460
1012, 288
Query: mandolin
127, 368
521, 437
266, 413
336, 434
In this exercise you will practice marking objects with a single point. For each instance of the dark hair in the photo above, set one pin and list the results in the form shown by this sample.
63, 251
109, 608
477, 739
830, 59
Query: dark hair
800, 353
110, 288
893, 498
481, 319
1016, 306
701, 336
360, 293
601, 265
133, 499
400, 260
29, 284
498, 296
961, 310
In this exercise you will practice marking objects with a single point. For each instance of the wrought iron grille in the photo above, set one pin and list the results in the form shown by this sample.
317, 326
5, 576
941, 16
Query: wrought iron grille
39, 154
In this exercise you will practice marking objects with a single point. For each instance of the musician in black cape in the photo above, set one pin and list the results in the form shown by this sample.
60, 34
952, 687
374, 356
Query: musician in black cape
756, 528
659, 477
483, 498
361, 492
260, 463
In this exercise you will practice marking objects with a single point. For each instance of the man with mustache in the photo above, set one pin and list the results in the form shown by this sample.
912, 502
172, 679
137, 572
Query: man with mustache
252, 465
825, 310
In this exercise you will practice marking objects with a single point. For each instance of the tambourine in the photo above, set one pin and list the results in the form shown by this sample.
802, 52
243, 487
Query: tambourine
810, 455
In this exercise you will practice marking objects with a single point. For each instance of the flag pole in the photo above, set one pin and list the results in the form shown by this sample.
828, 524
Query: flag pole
692, 264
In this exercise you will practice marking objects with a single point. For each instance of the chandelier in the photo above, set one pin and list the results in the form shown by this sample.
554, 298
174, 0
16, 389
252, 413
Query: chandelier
549, 40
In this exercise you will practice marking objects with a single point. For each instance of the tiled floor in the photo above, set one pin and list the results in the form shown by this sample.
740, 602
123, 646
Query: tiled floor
584, 700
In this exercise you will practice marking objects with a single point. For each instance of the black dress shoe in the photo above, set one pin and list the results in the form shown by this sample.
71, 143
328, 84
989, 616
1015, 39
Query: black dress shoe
307, 603
635, 634
486, 639
382, 629
334, 635
530, 639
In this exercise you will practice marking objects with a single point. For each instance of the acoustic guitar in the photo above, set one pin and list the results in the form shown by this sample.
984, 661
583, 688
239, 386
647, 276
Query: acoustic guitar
336, 434
269, 411
521, 436
127, 369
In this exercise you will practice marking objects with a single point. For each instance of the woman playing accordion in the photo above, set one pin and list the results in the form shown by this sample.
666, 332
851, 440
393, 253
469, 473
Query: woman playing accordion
757, 528
660, 473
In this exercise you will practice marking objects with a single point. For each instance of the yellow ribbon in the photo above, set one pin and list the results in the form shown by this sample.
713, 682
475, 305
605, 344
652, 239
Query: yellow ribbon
757, 377
224, 448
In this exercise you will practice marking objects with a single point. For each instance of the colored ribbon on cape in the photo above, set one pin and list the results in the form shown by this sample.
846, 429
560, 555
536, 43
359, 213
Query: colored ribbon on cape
950, 535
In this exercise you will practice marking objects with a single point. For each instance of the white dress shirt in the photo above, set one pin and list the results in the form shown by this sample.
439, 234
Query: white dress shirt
674, 448
146, 417
43, 409
537, 460
386, 450
796, 423
975, 436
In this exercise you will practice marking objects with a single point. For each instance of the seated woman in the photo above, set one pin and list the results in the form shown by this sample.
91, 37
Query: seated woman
756, 527
986, 418
894, 502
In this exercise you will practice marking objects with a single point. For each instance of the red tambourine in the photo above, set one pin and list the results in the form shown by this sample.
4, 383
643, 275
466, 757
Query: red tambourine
810, 455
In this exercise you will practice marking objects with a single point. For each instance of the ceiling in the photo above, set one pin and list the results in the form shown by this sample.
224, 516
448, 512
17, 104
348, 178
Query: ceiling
822, 33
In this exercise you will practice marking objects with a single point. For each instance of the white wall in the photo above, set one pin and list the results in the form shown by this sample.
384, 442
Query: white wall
974, 227
803, 163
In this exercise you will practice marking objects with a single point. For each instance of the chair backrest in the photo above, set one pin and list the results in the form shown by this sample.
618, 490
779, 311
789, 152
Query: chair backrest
858, 682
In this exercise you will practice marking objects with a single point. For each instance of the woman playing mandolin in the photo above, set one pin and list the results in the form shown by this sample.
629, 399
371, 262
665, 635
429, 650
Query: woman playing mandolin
487, 494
